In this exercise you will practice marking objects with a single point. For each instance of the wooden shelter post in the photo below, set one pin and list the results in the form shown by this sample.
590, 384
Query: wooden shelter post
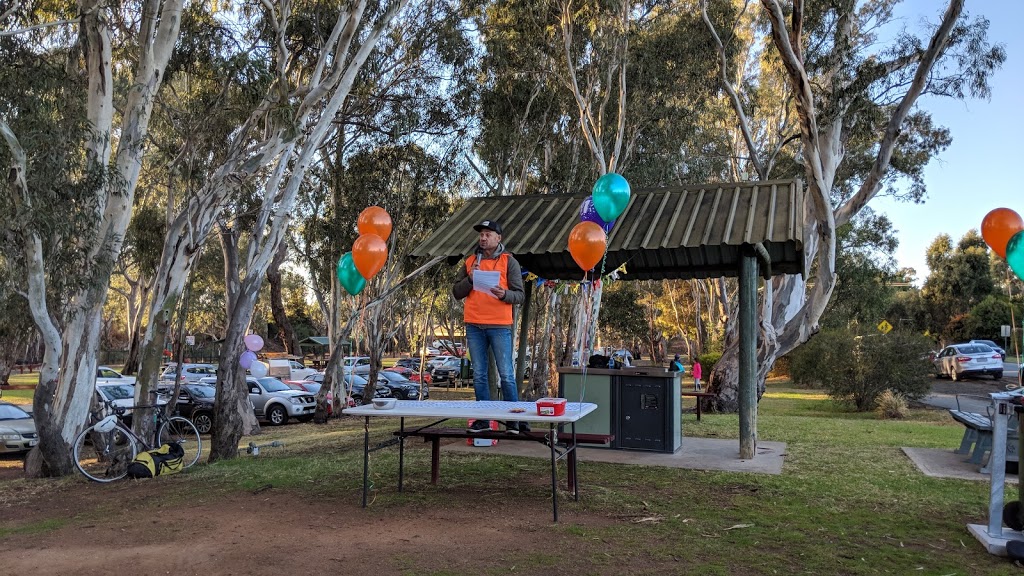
748, 352
524, 340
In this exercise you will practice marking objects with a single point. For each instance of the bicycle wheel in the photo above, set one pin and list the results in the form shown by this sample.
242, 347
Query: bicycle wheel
104, 456
181, 431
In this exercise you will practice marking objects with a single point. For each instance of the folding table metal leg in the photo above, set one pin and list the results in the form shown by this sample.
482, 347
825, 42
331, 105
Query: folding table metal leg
401, 452
575, 465
554, 474
366, 457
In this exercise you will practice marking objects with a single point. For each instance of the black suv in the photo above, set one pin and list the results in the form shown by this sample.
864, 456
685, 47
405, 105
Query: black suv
195, 402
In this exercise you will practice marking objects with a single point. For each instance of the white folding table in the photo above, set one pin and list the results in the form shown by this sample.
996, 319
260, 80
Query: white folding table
489, 410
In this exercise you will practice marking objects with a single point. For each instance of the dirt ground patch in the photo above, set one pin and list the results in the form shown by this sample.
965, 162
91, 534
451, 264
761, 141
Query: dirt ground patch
273, 532
70, 526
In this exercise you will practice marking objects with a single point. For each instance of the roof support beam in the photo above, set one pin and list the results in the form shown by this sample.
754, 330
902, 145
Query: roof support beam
524, 336
748, 352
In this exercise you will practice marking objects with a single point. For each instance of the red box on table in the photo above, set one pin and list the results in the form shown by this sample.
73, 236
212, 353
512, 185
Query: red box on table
550, 406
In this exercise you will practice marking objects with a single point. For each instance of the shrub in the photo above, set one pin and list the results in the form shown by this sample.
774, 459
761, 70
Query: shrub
708, 361
858, 369
892, 405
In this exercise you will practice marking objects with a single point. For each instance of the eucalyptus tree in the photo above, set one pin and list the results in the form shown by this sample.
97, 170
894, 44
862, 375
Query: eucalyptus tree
857, 130
399, 139
574, 90
121, 51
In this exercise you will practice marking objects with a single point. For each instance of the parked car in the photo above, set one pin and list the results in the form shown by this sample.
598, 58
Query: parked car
107, 375
195, 402
450, 370
358, 385
410, 373
437, 361
275, 402
17, 430
991, 345
401, 387
410, 363
428, 351
189, 372
960, 360
356, 364
314, 389
123, 396
288, 369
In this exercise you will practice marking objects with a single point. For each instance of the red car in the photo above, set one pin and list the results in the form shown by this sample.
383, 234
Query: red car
411, 374
312, 388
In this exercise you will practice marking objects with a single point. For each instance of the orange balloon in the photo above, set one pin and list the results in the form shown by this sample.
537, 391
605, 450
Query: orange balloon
587, 243
998, 227
369, 253
375, 220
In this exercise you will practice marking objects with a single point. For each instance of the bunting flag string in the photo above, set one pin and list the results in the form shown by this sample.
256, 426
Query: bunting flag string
573, 286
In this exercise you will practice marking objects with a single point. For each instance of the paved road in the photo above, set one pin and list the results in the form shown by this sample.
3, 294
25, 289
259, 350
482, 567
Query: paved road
971, 402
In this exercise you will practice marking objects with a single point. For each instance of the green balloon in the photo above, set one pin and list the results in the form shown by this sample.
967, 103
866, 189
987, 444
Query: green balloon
1015, 254
611, 195
351, 280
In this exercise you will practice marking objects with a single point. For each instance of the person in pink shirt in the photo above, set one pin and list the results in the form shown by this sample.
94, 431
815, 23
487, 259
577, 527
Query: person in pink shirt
696, 375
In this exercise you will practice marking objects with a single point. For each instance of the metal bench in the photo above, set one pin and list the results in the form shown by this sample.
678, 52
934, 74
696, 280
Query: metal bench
977, 437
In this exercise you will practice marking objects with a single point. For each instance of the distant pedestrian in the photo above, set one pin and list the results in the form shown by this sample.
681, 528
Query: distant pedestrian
676, 365
697, 373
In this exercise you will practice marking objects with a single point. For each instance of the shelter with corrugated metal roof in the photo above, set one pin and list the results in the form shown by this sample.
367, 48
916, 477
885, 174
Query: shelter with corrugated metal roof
680, 232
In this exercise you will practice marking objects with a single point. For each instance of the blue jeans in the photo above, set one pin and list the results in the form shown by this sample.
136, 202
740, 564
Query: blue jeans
498, 340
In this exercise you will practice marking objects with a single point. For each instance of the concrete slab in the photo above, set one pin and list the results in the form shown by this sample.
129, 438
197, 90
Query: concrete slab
943, 463
994, 544
695, 454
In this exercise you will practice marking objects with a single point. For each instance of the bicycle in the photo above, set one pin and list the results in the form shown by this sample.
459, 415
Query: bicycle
103, 451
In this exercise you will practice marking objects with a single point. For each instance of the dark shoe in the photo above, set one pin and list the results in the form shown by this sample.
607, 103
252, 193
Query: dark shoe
479, 426
524, 427
512, 427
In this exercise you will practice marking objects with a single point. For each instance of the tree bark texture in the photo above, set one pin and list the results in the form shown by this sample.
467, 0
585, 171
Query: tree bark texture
285, 332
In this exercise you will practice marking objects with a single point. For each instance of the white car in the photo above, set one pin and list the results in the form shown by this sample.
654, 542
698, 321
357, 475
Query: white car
107, 375
438, 361
190, 373
960, 360
123, 396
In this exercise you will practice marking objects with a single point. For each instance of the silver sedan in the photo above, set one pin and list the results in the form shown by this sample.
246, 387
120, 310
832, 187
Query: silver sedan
961, 360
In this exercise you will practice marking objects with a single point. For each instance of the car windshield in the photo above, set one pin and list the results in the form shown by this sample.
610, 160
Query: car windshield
355, 380
312, 388
205, 392
107, 373
274, 385
975, 349
118, 392
11, 412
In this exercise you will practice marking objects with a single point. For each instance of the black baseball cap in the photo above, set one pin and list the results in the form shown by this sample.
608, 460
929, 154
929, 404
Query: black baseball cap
490, 225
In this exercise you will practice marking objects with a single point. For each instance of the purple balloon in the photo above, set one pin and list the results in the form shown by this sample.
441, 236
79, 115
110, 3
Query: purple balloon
246, 359
254, 342
588, 213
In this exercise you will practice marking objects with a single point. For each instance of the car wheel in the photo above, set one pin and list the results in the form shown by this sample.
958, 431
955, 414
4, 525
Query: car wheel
997, 376
203, 422
954, 375
277, 415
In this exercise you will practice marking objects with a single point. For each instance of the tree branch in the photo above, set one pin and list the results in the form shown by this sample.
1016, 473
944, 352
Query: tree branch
872, 181
734, 98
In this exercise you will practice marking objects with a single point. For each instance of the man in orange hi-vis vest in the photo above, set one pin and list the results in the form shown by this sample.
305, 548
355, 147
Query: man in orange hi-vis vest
488, 315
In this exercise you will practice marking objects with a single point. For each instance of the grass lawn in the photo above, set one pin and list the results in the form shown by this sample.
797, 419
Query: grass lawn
848, 500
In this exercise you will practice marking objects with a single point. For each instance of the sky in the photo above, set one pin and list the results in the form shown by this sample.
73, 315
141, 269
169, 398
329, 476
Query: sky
975, 174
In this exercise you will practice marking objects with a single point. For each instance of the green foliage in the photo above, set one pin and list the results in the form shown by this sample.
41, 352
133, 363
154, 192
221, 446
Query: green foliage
622, 317
708, 361
857, 369
865, 265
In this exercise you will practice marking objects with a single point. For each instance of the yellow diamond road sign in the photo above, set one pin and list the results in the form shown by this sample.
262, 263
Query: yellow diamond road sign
884, 327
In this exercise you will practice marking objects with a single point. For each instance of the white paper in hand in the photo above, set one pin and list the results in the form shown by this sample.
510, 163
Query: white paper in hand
484, 280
